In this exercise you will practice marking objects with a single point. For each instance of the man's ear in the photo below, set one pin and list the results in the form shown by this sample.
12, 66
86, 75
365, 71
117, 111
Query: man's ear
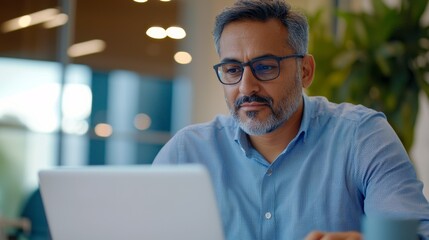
307, 70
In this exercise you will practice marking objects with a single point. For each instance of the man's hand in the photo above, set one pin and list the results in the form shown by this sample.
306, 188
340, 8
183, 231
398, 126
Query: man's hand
334, 236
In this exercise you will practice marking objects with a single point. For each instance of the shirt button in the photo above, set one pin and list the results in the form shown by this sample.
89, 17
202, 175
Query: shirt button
268, 215
270, 172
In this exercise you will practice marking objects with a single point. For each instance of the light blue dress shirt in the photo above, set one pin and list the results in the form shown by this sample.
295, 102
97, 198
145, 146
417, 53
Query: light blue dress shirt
345, 162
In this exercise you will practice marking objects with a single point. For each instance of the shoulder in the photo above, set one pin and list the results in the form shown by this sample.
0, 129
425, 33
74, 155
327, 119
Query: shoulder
194, 142
347, 124
218, 124
347, 112
366, 131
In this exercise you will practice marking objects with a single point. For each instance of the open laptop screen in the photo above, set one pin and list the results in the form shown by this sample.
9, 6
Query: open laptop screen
134, 202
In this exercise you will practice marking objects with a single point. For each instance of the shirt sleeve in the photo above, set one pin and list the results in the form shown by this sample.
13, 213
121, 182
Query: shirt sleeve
387, 178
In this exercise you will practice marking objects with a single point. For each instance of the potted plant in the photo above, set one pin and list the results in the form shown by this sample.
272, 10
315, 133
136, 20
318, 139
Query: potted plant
380, 60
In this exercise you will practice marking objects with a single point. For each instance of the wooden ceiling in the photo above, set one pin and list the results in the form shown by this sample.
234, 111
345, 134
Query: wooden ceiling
122, 24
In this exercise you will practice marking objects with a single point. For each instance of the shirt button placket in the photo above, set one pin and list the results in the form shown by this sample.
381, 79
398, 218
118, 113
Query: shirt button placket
268, 199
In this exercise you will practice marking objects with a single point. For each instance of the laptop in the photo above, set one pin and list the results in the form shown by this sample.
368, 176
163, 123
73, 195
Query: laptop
135, 202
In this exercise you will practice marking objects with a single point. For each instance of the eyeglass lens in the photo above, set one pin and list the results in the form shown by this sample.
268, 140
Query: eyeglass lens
263, 69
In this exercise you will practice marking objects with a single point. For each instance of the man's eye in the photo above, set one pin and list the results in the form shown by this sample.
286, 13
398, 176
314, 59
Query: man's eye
263, 67
232, 70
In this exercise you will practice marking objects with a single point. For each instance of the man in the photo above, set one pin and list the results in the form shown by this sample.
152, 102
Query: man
285, 165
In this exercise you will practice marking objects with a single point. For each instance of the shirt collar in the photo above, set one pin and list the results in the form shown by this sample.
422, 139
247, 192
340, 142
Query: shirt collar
241, 139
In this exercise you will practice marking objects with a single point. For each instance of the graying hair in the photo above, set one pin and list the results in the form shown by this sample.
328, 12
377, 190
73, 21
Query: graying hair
263, 10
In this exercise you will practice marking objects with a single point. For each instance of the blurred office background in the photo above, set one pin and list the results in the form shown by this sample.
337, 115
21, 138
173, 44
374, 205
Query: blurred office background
83, 83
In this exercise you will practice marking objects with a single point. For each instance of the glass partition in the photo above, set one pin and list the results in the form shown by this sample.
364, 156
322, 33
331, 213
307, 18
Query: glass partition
81, 83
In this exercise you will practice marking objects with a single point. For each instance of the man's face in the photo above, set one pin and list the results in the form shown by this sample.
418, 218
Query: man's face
260, 107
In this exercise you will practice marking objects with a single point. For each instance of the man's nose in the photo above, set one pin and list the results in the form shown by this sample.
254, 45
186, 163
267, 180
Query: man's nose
249, 85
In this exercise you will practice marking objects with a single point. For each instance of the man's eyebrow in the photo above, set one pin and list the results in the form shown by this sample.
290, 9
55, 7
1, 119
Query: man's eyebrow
228, 60
263, 56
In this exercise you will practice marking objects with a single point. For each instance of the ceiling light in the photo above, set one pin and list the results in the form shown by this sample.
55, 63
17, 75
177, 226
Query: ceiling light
176, 32
58, 20
86, 48
140, 1
24, 21
103, 130
182, 57
29, 20
156, 32
164, 0
142, 121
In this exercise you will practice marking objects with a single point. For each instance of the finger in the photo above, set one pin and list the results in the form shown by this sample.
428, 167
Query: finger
315, 235
342, 236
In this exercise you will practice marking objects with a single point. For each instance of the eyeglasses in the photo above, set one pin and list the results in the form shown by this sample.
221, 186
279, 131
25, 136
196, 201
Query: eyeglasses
263, 68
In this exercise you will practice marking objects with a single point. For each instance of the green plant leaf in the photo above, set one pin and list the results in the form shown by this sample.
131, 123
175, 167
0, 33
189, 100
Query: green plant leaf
379, 7
380, 60
413, 10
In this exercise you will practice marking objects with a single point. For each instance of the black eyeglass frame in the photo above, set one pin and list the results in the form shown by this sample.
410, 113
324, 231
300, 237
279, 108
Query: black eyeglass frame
249, 63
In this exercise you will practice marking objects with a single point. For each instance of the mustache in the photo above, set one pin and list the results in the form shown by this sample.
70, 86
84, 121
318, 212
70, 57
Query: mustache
253, 98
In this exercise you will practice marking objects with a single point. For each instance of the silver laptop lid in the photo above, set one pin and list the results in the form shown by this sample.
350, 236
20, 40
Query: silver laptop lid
135, 202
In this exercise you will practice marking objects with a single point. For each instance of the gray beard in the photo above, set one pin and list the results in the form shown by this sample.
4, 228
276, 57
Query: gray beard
286, 108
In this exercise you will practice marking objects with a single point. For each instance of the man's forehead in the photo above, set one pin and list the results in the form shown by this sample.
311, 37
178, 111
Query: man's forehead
253, 38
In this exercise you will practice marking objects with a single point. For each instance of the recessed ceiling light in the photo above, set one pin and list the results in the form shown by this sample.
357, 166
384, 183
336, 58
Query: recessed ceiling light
140, 1
142, 121
103, 130
176, 32
182, 57
156, 32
